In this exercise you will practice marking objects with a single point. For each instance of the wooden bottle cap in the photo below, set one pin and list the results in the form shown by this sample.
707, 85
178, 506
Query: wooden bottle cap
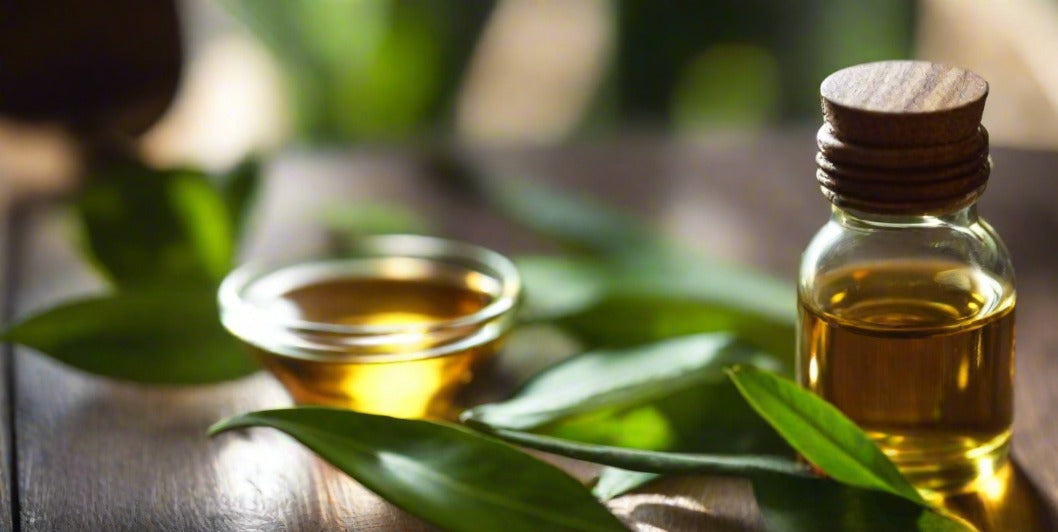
903, 137
903, 103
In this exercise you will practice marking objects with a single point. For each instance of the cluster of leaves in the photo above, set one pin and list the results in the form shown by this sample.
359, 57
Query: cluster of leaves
163, 240
674, 378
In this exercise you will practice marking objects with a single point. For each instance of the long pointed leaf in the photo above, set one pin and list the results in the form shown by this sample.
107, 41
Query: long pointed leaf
445, 474
613, 303
610, 377
624, 317
821, 433
652, 461
168, 336
789, 495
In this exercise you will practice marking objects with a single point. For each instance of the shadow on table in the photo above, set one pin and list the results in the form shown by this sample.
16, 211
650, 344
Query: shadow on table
1007, 501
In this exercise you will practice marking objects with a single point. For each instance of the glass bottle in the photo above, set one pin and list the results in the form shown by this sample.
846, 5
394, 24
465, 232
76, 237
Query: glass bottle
906, 295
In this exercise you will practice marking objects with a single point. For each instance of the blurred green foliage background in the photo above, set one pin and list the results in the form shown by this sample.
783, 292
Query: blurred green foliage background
367, 68
211, 82
384, 69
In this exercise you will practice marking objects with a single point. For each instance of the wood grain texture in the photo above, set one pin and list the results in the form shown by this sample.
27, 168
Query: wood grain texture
904, 87
903, 137
95, 454
8, 227
903, 103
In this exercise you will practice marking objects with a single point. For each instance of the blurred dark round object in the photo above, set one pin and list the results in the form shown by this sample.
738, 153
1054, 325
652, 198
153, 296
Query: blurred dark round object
99, 66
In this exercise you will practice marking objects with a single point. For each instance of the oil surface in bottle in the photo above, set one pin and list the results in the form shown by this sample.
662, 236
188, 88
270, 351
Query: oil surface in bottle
921, 355
422, 387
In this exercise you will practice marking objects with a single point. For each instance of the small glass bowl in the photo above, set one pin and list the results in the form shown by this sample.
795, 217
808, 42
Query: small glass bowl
396, 327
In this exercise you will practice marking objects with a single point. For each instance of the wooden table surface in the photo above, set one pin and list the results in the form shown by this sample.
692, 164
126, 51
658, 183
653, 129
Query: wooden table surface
87, 453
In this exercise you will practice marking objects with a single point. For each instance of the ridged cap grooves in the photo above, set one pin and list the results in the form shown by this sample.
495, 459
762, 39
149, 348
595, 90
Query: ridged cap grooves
903, 137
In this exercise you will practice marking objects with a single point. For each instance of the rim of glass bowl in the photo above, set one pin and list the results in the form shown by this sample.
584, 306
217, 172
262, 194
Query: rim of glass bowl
457, 334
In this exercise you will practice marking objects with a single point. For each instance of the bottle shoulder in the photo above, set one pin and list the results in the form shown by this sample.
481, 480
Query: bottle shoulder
930, 247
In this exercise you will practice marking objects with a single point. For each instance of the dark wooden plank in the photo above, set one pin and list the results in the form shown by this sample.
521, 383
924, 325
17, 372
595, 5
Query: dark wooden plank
102, 455
1020, 203
8, 241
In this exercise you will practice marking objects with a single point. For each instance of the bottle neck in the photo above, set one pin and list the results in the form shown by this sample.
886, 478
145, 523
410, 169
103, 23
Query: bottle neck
965, 216
902, 179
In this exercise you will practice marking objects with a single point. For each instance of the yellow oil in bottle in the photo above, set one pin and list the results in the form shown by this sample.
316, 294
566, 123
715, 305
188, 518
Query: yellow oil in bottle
921, 355
412, 388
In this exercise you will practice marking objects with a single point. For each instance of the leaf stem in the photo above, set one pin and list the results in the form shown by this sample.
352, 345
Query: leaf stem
651, 461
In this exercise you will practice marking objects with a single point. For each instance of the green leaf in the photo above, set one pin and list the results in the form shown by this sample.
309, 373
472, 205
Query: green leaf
655, 409
652, 461
798, 503
624, 318
608, 377
644, 287
559, 286
709, 417
159, 336
821, 433
637, 426
712, 417
700, 278
239, 189
144, 225
445, 474
788, 494
577, 222
614, 482
203, 217
615, 304
706, 417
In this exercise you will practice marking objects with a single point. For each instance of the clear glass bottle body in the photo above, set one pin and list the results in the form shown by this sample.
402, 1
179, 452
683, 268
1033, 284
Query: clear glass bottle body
907, 326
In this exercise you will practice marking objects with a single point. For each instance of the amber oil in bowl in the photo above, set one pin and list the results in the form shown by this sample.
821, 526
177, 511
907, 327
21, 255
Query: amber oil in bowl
398, 327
